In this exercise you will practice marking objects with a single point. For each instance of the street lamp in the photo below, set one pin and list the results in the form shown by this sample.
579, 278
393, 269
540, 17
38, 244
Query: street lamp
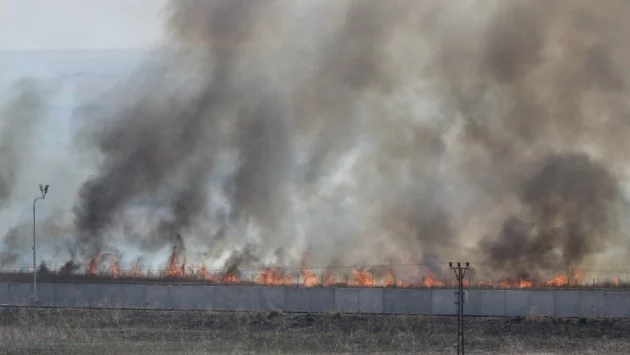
44, 190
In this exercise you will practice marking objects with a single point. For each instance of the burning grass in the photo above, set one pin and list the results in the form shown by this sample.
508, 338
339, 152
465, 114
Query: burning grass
47, 331
106, 268
269, 277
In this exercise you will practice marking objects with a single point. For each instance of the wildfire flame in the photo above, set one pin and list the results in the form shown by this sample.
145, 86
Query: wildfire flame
93, 265
310, 279
174, 270
431, 281
273, 276
362, 278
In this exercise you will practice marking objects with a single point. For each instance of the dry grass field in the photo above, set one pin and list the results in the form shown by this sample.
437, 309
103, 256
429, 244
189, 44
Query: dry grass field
48, 331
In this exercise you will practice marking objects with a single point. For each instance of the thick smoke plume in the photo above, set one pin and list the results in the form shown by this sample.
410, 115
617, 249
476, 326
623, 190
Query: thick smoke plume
370, 132
572, 209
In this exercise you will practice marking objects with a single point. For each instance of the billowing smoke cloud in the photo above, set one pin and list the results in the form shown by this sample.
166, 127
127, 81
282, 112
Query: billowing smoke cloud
370, 132
571, 213
318, 139
156, 143
545, 93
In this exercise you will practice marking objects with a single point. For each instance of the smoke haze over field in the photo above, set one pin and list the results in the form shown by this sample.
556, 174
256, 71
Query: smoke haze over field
365, 132
20, 115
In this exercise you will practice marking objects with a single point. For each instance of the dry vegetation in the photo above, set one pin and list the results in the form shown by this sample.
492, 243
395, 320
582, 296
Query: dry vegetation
53, 331
45, 275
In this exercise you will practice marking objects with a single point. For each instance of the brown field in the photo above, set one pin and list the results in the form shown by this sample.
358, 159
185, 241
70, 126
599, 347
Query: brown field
54, 331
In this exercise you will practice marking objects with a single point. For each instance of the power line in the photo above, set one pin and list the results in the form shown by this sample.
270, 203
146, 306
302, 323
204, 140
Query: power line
460, 299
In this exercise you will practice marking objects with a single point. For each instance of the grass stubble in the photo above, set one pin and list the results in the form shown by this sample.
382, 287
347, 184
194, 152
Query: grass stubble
85, 331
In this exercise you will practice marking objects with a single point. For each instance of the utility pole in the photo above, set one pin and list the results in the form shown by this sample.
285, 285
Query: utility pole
44, 191
460, 299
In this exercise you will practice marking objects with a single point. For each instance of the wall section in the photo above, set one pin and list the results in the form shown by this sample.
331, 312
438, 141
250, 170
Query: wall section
562, 303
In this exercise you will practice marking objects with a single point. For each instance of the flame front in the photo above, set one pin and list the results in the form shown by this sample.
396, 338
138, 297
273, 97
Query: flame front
274, 276
310, 279
431, 281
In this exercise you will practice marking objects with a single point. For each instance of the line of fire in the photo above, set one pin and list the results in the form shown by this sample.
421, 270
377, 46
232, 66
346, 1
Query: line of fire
103, 268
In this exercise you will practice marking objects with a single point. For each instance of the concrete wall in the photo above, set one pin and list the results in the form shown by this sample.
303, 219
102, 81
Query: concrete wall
295, 299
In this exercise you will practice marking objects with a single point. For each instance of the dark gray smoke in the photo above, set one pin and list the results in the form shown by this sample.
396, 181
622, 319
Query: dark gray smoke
369, 132
154, 142
571, 211
549, 81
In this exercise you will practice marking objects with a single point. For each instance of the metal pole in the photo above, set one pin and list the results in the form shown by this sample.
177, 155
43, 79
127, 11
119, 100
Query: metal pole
44, 191
460, 274
35, 255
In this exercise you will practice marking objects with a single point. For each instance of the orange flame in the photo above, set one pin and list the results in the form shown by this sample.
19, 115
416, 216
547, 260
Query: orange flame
230, 277
93, 265
515, 284
274, 276
361, 278
391, 280
173, 269
431, 281
310, 279
574, 279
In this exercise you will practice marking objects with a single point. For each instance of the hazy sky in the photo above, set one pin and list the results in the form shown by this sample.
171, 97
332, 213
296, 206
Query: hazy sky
80, 24
59, 25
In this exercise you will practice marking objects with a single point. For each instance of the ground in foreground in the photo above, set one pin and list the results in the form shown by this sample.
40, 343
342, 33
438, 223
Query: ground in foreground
54, 331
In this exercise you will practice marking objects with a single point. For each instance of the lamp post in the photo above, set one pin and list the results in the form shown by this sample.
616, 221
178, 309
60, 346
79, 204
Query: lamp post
44, 191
